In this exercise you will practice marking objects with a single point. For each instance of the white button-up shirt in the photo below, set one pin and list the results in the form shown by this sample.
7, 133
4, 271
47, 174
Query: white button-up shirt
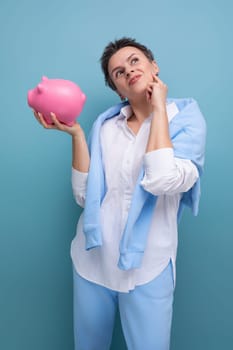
123, 154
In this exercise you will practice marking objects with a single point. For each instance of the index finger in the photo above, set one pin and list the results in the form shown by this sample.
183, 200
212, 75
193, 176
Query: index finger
43, 122
155, 77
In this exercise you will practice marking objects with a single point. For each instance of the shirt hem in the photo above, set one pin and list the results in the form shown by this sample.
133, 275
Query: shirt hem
119, 290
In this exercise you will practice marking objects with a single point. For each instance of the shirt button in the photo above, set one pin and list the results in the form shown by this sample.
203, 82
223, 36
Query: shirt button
127, 207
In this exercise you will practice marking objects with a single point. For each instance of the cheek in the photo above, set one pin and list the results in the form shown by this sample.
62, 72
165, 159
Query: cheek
121, 88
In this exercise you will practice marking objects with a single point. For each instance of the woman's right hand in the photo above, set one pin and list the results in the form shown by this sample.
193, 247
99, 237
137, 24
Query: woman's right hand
74, 130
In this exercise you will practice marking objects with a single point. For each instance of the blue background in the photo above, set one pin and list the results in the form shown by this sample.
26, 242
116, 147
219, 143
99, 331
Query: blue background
192, 42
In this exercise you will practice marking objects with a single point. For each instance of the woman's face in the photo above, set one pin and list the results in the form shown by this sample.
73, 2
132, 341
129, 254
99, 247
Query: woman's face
131, 71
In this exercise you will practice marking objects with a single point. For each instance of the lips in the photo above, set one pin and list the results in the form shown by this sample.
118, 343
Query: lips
134, 79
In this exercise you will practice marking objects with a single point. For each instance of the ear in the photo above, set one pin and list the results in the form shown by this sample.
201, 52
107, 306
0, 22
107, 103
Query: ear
155, 67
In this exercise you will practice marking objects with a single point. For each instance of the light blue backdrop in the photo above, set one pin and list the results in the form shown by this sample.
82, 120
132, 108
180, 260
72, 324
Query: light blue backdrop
192, 41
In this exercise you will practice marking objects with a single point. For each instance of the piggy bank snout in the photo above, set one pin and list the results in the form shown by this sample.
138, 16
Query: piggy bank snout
30, 98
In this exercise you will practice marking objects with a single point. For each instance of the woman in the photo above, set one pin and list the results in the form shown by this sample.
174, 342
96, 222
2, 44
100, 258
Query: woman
143, 164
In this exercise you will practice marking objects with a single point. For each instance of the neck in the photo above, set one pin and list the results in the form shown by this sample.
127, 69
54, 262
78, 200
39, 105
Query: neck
141, 109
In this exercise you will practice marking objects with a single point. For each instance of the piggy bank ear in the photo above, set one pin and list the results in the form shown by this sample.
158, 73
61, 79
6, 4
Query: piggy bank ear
40, 88
44, 78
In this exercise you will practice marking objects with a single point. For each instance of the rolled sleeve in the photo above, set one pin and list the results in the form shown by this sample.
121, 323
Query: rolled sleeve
165, 174
79, 183
160, 161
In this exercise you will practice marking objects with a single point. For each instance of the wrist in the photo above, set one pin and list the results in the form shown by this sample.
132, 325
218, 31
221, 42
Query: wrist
78, 136
159, 113
77, 133
161, 108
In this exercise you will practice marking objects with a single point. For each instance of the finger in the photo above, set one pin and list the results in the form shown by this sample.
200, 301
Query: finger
150, 86
54, 118
149, 91
148, 96
155, 77
56, 122
158, 80
36, 115
43, 122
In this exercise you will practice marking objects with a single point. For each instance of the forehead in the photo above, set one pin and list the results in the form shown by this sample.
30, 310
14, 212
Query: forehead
121, 56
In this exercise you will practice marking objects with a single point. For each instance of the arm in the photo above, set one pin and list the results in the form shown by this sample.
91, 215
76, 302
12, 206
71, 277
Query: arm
80, 154
164, 174
159, 132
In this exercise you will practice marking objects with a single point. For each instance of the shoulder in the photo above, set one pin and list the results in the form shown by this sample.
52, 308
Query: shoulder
189, 112
109, 124
183, 103
117, 115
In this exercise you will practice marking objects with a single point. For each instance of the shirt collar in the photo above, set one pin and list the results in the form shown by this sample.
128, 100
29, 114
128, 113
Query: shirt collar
126, 112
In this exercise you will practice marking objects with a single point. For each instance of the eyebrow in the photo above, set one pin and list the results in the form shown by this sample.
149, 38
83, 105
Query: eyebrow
128, 59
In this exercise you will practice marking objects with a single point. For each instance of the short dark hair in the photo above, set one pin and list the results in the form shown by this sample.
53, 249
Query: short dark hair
112, 48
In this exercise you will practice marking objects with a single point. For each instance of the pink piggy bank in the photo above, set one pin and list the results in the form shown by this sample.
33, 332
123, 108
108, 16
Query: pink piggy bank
62, 97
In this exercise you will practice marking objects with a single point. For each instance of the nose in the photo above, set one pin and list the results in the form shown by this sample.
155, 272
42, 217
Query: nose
128, 72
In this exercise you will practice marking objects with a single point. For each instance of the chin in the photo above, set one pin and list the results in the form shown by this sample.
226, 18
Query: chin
139, 91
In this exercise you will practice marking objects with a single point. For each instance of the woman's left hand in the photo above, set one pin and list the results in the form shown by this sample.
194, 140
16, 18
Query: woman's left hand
157, 93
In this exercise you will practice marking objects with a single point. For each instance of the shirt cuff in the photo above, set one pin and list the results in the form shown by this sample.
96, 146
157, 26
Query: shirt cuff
160, 161
78, 178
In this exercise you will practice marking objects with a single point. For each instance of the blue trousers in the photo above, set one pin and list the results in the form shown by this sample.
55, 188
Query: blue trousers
145, 313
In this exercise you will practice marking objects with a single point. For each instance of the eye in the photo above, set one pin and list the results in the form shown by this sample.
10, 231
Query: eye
119, 73
134, 60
